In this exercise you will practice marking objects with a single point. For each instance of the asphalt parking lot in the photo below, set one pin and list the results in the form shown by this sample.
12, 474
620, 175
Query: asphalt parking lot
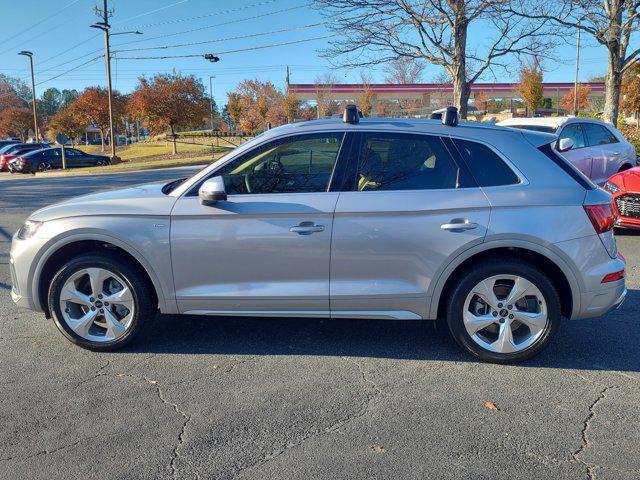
224, 398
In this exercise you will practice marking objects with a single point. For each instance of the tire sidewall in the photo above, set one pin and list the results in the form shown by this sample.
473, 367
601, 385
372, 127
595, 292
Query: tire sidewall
507, 267
89, 261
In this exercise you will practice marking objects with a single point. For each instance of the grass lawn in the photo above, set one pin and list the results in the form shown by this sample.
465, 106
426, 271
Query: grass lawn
141, 150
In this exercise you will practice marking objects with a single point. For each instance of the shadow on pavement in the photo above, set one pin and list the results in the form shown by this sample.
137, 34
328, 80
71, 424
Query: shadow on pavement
606, 343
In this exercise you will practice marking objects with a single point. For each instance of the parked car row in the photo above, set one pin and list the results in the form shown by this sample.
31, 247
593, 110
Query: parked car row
40, 157
602, 153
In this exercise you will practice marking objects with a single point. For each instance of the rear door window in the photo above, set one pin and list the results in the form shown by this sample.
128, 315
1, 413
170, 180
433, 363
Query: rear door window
488, 169
598, 134
398, 161
574, 132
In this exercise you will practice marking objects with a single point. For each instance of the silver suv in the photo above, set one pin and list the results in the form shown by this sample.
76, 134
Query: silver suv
484, 227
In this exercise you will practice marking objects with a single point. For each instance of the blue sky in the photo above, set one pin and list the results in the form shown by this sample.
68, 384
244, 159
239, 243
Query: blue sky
61, 39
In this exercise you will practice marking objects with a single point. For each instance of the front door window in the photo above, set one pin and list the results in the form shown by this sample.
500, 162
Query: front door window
299, 164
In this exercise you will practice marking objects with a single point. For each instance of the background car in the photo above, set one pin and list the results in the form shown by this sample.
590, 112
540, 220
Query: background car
9, 152
599, 150
49, 158
4, 143
625, 188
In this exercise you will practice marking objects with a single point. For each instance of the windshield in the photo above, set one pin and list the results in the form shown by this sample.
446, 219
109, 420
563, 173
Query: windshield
536, 128
171, 186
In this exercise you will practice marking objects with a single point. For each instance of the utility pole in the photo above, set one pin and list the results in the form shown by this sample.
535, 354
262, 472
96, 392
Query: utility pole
104, 26
211, 77
575, 86
33, 92
288, 77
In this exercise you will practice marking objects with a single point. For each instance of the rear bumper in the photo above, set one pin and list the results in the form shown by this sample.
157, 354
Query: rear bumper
595, 304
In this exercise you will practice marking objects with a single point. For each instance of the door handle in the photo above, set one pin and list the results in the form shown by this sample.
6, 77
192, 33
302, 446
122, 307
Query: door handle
306, 228
459, 224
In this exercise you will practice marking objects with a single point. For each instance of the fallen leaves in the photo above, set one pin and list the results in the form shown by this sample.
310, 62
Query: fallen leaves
491, 406
152, 382
216, 366
377, 448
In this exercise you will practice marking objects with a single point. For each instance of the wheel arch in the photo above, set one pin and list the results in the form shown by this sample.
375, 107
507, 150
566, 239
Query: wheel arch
559, 271
71, 246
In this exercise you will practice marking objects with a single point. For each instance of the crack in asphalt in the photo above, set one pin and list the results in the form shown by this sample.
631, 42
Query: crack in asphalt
363, 410
187, 419
577, 455
99, 373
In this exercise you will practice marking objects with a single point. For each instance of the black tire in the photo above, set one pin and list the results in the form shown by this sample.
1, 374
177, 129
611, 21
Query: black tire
502, 266
142, 292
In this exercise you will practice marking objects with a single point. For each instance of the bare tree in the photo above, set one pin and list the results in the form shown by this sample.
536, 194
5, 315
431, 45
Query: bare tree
403, 70
379, 31
326, 106
610, 22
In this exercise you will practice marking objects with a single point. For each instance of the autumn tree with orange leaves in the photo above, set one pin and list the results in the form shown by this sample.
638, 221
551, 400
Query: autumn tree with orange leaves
169, 102
530, 86
583, 100
65, 122
255, 104
631, 92
16, 122
91, 108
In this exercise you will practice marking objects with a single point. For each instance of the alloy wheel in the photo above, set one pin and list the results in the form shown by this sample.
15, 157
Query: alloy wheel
44, 167
97, 304
505, 314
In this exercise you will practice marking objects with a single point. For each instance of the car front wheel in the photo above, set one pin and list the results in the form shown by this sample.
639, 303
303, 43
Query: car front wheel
504, 311
100, 302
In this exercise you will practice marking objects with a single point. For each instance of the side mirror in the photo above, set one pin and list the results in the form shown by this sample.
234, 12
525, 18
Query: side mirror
565, 144
212, 191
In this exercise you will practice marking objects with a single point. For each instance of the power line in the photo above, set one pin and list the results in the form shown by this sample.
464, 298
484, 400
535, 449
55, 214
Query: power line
260, 47
25, 30
212, 26
199, 17
236, 37
70, 70
150, 12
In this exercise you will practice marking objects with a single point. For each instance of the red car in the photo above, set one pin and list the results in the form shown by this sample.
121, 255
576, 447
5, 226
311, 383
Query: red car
9, 152
625, 188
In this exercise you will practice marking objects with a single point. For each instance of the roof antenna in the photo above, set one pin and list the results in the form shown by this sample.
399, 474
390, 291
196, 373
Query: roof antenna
351, 114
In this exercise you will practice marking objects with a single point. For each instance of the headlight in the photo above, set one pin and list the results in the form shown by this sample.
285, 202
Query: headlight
29, 229
611, 187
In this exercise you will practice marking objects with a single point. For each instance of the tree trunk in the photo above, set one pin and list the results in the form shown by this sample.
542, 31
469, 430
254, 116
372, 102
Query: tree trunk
102, 149
461, 87
461, 94
613, 83
173, 139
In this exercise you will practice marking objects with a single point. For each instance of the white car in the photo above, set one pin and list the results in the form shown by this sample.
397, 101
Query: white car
599, 150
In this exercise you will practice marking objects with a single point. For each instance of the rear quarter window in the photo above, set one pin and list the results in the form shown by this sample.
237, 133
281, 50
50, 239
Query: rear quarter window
488, 169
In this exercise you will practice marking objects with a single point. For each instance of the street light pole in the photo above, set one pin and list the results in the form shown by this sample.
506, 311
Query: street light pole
33, 92
211, 77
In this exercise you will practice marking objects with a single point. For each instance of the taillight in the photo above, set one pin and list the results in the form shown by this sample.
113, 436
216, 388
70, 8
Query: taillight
602, 216
612, 277
22, 160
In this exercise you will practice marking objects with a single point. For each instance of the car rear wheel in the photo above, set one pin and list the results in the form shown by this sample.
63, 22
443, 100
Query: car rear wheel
100, 302
44, 167
102, 162
504, 311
